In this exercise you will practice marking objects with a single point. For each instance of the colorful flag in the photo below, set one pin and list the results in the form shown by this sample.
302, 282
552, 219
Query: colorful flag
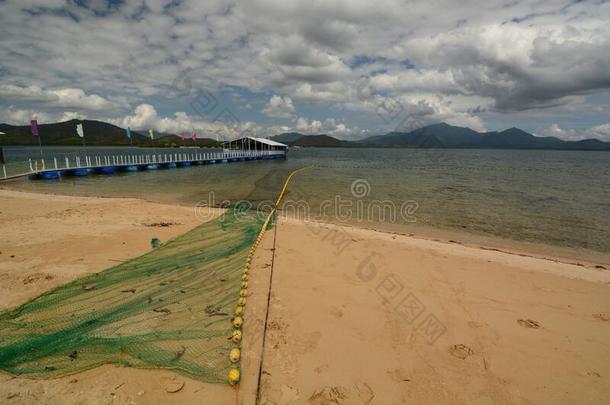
194, 137
79, 130
182, 135
128, 132
34, 125
151, 134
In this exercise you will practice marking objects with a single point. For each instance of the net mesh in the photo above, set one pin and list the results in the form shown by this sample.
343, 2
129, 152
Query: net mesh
170, 308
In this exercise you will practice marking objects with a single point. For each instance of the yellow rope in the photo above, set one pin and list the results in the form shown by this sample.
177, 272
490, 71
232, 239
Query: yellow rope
235, 354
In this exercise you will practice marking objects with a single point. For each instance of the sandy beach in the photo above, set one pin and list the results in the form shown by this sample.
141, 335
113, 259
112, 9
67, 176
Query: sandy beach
357, 316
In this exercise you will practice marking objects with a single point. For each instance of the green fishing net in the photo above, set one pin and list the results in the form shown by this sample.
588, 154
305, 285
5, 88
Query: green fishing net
170, 308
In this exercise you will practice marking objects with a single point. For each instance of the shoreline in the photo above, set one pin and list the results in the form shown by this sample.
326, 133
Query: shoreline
581, 257
571, 269
338, 323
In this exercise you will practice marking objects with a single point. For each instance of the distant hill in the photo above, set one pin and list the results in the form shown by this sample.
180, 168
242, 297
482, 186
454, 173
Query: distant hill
432, 136
97, 133
319, 141
437, 135
287, 137
446, 136
175, 141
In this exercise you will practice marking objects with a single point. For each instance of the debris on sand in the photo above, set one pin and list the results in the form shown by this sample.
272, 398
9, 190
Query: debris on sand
529, 323
161, 224
33, 278
174, 387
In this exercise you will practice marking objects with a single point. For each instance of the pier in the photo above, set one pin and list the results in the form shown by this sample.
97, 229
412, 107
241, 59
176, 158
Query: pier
112, 164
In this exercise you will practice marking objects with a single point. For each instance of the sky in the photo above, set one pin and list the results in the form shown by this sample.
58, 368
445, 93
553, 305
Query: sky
350, 69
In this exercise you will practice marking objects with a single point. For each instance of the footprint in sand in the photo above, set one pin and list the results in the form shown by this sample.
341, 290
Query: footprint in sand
594, 374
602, 317
328, 395
461, 351
336, 312
528, 323
474, 324
399, 375
322, 368
361, 393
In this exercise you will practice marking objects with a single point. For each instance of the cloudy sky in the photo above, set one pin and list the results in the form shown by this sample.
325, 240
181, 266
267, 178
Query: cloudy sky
346, 68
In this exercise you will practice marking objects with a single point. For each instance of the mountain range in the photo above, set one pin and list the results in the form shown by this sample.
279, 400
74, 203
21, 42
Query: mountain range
432, 136
97, 133
447, 136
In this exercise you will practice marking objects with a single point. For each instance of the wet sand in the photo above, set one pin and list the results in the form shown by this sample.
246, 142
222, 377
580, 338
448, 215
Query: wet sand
356, 315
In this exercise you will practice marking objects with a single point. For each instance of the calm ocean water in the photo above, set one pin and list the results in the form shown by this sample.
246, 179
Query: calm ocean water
559, 198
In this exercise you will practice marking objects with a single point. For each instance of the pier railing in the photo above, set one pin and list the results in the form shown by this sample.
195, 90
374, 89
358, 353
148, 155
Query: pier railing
51, 168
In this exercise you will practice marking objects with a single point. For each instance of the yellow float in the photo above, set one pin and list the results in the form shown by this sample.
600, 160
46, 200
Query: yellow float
234, 355
239, 310
233, 376
236, 336
237, 322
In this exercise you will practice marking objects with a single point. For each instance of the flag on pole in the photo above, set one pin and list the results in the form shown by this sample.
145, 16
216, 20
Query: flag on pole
182, 135
151, 134
128, 132
34, 125
194, 136
80, 131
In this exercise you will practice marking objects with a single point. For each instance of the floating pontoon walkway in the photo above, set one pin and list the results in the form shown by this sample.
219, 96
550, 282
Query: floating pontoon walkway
107, 165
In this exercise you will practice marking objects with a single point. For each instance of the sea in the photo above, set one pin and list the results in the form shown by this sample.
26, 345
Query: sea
542, 197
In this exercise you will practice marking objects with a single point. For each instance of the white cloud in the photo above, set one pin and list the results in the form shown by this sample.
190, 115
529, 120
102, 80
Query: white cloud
76, 98
279, 107
601, 132
329, 126
499, 57
519, 66
325, 94
293, 60
302, 124
16, 116
57, 98
145, 117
